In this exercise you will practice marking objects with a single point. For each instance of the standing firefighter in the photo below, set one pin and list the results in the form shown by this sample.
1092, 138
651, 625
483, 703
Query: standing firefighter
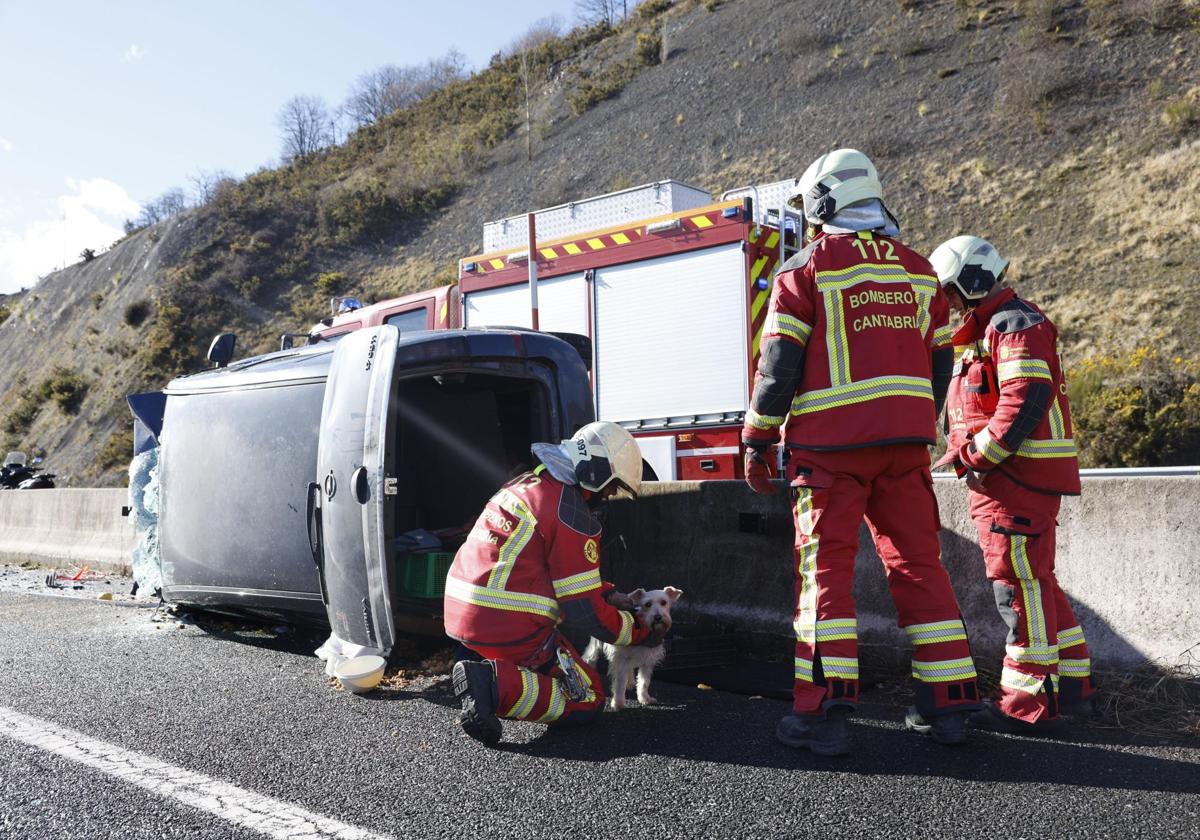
855, 358
1009, 433
531, 562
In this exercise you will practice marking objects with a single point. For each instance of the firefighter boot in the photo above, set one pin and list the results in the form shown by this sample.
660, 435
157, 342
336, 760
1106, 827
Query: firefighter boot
950, 728
475, 685
991, 718
824, 734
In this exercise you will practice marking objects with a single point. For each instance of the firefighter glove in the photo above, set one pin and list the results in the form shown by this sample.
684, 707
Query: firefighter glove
620, 600
758, 472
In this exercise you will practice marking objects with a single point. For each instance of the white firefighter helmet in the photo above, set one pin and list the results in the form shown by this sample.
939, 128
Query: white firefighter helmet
833, 182
971, 265
603, 453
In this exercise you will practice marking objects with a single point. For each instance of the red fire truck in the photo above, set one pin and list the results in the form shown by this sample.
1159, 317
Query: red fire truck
671, 288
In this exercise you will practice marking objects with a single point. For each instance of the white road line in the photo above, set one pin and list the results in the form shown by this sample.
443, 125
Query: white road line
268, 816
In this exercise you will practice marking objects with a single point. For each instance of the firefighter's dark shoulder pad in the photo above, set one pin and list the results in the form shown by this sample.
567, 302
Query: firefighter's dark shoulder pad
801, 257
574, 512
1014, 316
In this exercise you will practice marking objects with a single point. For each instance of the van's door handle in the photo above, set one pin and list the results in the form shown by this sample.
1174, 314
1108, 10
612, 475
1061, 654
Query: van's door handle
361, 486
316, 537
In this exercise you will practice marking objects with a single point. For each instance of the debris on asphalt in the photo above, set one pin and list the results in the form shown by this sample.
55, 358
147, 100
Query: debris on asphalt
72, 582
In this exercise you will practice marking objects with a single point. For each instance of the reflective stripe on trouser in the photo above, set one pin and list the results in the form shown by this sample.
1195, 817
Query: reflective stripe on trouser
890, 485
541, 696
1046, 657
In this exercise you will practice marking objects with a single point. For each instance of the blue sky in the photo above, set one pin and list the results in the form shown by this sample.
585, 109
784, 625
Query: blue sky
104, 106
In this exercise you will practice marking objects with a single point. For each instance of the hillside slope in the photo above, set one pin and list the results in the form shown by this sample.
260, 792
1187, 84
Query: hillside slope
1066, 132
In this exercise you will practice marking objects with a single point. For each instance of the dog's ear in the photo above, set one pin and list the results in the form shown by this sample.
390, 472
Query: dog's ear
673, 593
637, 595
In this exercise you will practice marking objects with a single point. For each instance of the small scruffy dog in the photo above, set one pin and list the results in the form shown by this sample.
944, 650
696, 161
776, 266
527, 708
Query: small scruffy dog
653, 611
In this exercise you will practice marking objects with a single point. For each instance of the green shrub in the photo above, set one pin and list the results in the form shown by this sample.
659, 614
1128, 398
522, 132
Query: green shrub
332, 283
653, 8
1181, 114
188, 313
1139, 410
604, 85
136, 313
4, 313
117, 450
18, 421
248, 287
65, 388
97, 299
649, 48
351, 211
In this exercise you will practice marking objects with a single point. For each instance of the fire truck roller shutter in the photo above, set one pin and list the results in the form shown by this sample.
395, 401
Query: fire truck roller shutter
670, 338
562, 305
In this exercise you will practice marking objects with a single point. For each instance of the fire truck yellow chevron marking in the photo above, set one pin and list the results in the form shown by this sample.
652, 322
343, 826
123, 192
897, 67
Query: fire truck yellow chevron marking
760, 300
756, 269
620, 239
757, 305
549, 253
772, 240
572, 249
595, 244
496, 263
701, 222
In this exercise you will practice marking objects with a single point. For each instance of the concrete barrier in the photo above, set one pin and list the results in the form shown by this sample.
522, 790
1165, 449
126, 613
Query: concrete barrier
56, 527
1128, 558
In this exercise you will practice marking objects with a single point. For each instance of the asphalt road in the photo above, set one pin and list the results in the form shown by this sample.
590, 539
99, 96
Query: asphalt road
252, 712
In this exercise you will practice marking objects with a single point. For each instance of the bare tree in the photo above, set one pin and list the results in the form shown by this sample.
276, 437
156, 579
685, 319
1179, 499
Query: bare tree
377, 94
304, 127
387, 89
205, 184
538, 33
600, 11
170, 203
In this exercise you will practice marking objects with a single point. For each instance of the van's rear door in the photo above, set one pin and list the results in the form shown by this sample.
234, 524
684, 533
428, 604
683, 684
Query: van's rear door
353, 464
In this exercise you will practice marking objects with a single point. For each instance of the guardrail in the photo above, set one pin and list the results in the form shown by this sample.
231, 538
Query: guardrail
63, 526
1128, 554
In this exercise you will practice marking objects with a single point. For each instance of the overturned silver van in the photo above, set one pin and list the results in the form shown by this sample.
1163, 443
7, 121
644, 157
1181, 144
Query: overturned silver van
286, 480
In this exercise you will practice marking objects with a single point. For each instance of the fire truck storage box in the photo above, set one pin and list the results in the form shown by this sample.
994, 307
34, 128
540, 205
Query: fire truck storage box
659, 198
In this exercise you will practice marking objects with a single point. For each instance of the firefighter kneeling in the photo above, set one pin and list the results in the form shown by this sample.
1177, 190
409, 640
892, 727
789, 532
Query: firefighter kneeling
530, 563
1009, 434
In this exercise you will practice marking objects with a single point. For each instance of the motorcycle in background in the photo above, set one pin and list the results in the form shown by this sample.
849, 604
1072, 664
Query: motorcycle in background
18, 474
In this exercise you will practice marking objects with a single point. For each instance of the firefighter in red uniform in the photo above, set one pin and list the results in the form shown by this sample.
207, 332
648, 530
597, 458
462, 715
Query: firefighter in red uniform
530, 563
1009, 434
855, 359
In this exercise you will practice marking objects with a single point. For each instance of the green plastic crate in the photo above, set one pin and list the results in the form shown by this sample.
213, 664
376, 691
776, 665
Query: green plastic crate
423, 575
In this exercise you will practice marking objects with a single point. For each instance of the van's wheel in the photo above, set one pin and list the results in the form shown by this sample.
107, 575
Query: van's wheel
648, 473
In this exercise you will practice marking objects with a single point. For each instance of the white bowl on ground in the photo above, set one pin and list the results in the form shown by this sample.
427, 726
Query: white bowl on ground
360, 674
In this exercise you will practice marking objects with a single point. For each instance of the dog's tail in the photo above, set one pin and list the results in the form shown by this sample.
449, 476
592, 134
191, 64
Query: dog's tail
592, 654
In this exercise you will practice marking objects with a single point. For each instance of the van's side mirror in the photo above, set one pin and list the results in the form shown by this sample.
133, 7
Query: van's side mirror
221, 350
285, 342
